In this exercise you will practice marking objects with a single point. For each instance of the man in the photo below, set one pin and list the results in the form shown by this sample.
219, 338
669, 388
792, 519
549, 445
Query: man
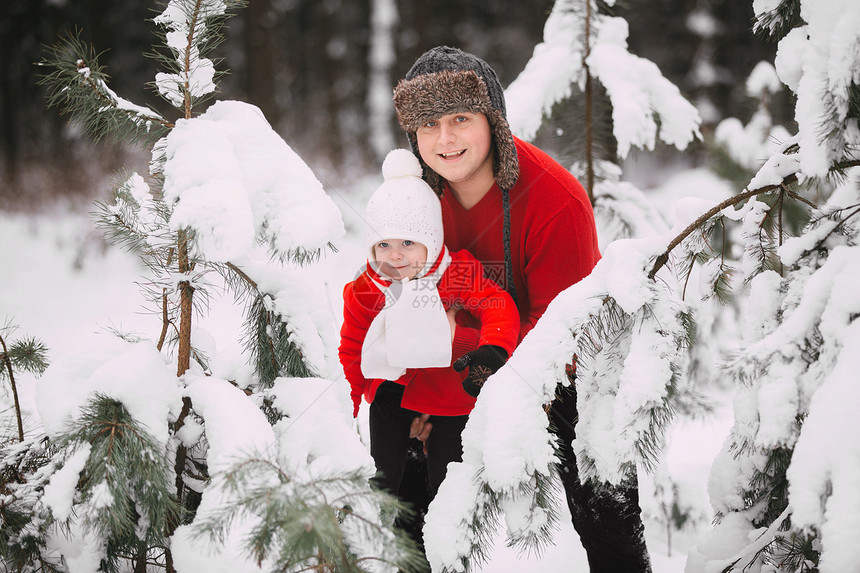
529, 221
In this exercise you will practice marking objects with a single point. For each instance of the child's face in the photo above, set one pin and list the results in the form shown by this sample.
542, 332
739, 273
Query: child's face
400, 258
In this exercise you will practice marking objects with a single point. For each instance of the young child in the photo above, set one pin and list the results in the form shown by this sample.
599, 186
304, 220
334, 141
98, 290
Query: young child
400, 346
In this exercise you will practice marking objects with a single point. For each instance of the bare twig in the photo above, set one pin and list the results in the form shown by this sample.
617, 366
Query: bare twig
242, 274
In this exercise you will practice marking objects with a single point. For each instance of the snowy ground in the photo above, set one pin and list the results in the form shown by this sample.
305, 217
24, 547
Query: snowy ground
59, 283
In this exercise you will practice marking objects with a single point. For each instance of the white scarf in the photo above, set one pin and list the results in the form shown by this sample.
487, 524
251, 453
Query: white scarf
412, 330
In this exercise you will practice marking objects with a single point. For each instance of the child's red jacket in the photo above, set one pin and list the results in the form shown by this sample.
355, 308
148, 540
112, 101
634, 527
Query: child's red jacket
434, 391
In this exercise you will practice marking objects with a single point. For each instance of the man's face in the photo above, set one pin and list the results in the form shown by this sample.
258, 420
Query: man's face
458, 148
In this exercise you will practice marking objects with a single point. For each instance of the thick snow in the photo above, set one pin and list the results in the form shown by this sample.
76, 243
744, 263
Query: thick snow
136, 374
223, 408
232, 180
645, 105
319, 415
818, 63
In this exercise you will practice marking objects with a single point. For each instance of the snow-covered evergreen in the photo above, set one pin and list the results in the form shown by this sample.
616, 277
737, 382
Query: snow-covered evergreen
159, 451
784, 485
630, 371
260, 429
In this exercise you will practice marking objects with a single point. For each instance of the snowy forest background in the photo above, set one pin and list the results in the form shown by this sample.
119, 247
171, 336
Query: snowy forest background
307, 65
717, 357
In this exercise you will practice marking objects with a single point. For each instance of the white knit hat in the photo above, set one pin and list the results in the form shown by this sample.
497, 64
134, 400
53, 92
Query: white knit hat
405, 207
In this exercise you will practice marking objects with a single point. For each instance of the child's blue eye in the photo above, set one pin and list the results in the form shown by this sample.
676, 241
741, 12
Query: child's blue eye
382, 245
407, 243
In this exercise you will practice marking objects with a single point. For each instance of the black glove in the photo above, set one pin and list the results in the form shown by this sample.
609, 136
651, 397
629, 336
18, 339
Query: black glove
482, 362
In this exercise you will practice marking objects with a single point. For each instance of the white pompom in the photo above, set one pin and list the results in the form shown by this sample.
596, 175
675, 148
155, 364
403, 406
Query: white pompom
400, 163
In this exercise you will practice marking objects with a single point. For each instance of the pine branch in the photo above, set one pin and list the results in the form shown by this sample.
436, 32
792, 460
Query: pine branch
663, 258
29, 355
24, 471
308, 524
798, 551
127, 467
237, 280
838, 226
775, 24
272, 348
748, 554
761, 246
78, 86
6, 361
202, 25
543, 490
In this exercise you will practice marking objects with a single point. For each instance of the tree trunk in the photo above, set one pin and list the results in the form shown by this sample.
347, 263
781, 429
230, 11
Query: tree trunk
589, 109
186, 292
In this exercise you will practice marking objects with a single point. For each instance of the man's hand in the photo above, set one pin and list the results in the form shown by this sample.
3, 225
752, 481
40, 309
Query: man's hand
420, 429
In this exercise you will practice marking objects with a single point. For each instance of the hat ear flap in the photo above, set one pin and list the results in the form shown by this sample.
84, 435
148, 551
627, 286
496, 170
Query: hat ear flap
506, 166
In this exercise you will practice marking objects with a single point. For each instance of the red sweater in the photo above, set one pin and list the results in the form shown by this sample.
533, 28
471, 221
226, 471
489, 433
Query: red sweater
434, 391
553, 235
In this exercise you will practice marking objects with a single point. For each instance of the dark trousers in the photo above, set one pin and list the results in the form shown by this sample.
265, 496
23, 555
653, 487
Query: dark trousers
391, 448
607, 518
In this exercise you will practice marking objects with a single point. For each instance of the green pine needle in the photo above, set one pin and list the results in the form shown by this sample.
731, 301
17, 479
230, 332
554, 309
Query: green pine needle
269, 342
309, 522
125, 484
78, 86
29, 355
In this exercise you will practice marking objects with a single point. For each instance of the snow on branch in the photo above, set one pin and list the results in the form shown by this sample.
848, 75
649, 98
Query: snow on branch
186, 23
134, 374
232, 180
279, 495
78, 86
818, 62
645, 105
547, 78
823, 476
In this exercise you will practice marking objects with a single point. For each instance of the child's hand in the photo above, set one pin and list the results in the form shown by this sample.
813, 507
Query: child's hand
482, 362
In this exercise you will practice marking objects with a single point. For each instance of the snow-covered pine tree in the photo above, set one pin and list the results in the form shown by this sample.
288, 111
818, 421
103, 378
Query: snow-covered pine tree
27, 354
19, 455
137, 463
628, 332
784, 486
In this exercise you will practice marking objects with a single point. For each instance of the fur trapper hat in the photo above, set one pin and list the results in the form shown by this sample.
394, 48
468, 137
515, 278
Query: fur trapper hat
446, 80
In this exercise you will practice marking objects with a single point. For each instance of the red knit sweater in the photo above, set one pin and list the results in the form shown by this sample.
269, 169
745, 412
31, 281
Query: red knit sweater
553, 235
434, 391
